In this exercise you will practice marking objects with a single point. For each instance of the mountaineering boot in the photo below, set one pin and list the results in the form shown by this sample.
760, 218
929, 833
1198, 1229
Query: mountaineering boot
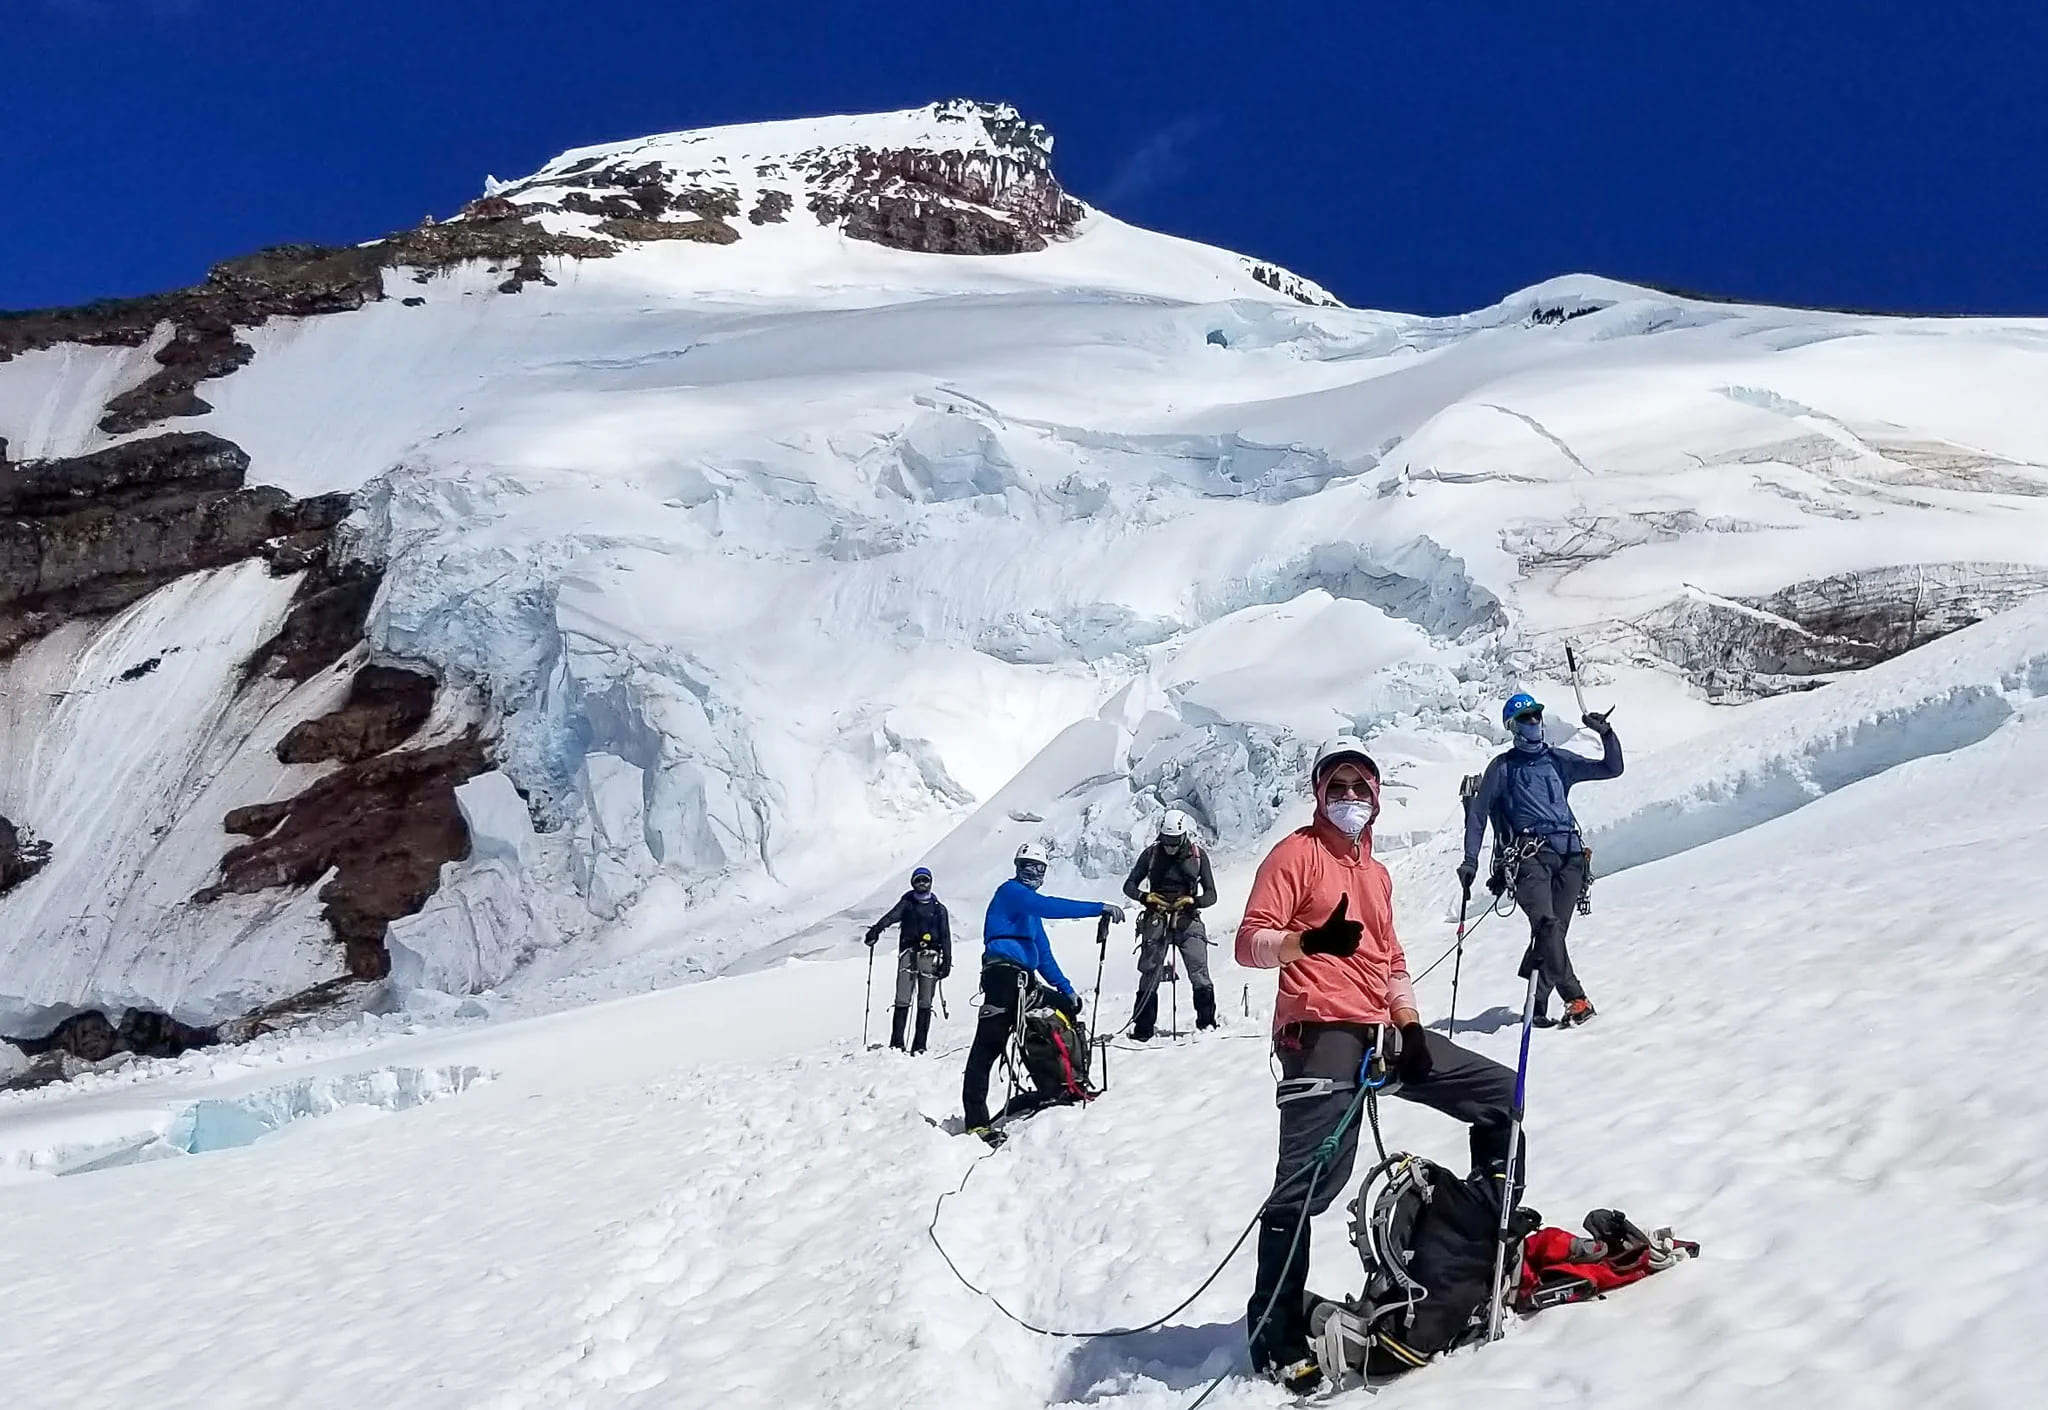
898, 1017
1146, 1019
1303, 1377
1205, 1007
1577, 1013
1277, 1316
924, 1031
990, 1134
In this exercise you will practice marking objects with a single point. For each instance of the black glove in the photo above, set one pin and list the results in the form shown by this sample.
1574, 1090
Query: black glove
873, 936
945, 972
1335, 936
1497, 879
1115, 913
1596, 721
1416, 1063
1068, 1004
1466, 872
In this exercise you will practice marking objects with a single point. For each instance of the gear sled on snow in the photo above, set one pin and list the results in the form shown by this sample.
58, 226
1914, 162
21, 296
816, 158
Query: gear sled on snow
1427, 1240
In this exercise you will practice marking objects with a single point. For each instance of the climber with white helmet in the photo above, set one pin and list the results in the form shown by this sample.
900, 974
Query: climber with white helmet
1174, 884
1016, 962
1321, 911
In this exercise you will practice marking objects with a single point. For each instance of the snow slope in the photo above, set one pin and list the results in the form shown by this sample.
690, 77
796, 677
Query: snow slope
1814, 1057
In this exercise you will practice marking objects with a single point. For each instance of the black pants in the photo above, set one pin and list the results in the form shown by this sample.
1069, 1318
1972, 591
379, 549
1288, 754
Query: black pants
1005, 988
1319, 1073
1547, 888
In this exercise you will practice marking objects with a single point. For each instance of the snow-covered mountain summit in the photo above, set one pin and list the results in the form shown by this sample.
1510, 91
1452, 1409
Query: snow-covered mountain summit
951, 178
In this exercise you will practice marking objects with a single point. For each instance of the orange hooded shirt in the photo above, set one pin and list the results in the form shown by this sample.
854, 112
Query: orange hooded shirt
1297, 887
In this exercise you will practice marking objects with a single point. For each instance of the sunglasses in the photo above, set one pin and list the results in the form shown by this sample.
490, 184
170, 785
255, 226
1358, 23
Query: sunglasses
1528, 715
1345, 789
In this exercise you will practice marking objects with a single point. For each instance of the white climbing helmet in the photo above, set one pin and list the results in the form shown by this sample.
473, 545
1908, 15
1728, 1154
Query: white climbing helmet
1176, 824
1336, 751
1033, 851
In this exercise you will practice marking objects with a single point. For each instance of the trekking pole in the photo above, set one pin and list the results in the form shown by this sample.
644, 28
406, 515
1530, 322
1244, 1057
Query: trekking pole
1571, 660
1173, 990
868, 1004
1458, 965
1101, 959
1507, 1194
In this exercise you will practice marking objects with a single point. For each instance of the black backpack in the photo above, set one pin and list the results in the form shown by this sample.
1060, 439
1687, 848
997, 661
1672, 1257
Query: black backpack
1056, 1053
1427, 1239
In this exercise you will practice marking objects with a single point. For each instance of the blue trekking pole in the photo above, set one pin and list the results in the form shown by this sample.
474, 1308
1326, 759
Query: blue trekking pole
1507, 1194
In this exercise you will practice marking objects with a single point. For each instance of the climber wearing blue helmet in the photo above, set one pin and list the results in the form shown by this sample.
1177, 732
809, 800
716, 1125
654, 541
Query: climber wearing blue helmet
1525, 794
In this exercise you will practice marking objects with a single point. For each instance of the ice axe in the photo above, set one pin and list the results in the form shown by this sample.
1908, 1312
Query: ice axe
1571, 661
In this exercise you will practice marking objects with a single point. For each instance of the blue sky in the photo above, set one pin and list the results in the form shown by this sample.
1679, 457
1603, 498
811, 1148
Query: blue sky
1430, 156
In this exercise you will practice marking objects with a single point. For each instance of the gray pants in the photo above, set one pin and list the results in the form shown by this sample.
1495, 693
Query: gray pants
1156, 934
1547, 888
1318, 1081
917, 975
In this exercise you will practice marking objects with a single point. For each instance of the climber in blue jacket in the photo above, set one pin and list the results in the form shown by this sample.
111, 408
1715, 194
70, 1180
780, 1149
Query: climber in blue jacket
1015, 955
1525, 793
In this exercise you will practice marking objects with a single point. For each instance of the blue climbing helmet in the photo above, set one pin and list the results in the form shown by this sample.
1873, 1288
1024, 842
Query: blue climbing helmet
923, 874
1520, 703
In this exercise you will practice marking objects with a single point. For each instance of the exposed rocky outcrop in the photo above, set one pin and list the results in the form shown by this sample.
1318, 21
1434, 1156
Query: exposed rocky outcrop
286, 281
325, 621
1301, 290
93, 1037
1738, 649
981, 183
704, 232
384, 823
91, 534
386, 706
86, 1040
21, 856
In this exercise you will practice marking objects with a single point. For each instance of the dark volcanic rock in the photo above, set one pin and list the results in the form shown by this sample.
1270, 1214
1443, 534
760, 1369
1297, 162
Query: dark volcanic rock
385, 707
286, 281
325, 621
708, 232
384, 825
255, 819
183, 460
771, 209
21, 856
91, 1037
193, 354
93, 533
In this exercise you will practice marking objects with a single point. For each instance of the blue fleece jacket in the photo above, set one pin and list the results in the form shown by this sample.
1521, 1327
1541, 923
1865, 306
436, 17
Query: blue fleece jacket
1014, 929
1525, 794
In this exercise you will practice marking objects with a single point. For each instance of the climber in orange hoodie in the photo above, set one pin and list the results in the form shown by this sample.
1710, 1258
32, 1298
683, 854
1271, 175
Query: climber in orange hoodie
1321, 911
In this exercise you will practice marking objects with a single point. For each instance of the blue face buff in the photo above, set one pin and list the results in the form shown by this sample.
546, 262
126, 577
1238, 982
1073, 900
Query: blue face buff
1529, 732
